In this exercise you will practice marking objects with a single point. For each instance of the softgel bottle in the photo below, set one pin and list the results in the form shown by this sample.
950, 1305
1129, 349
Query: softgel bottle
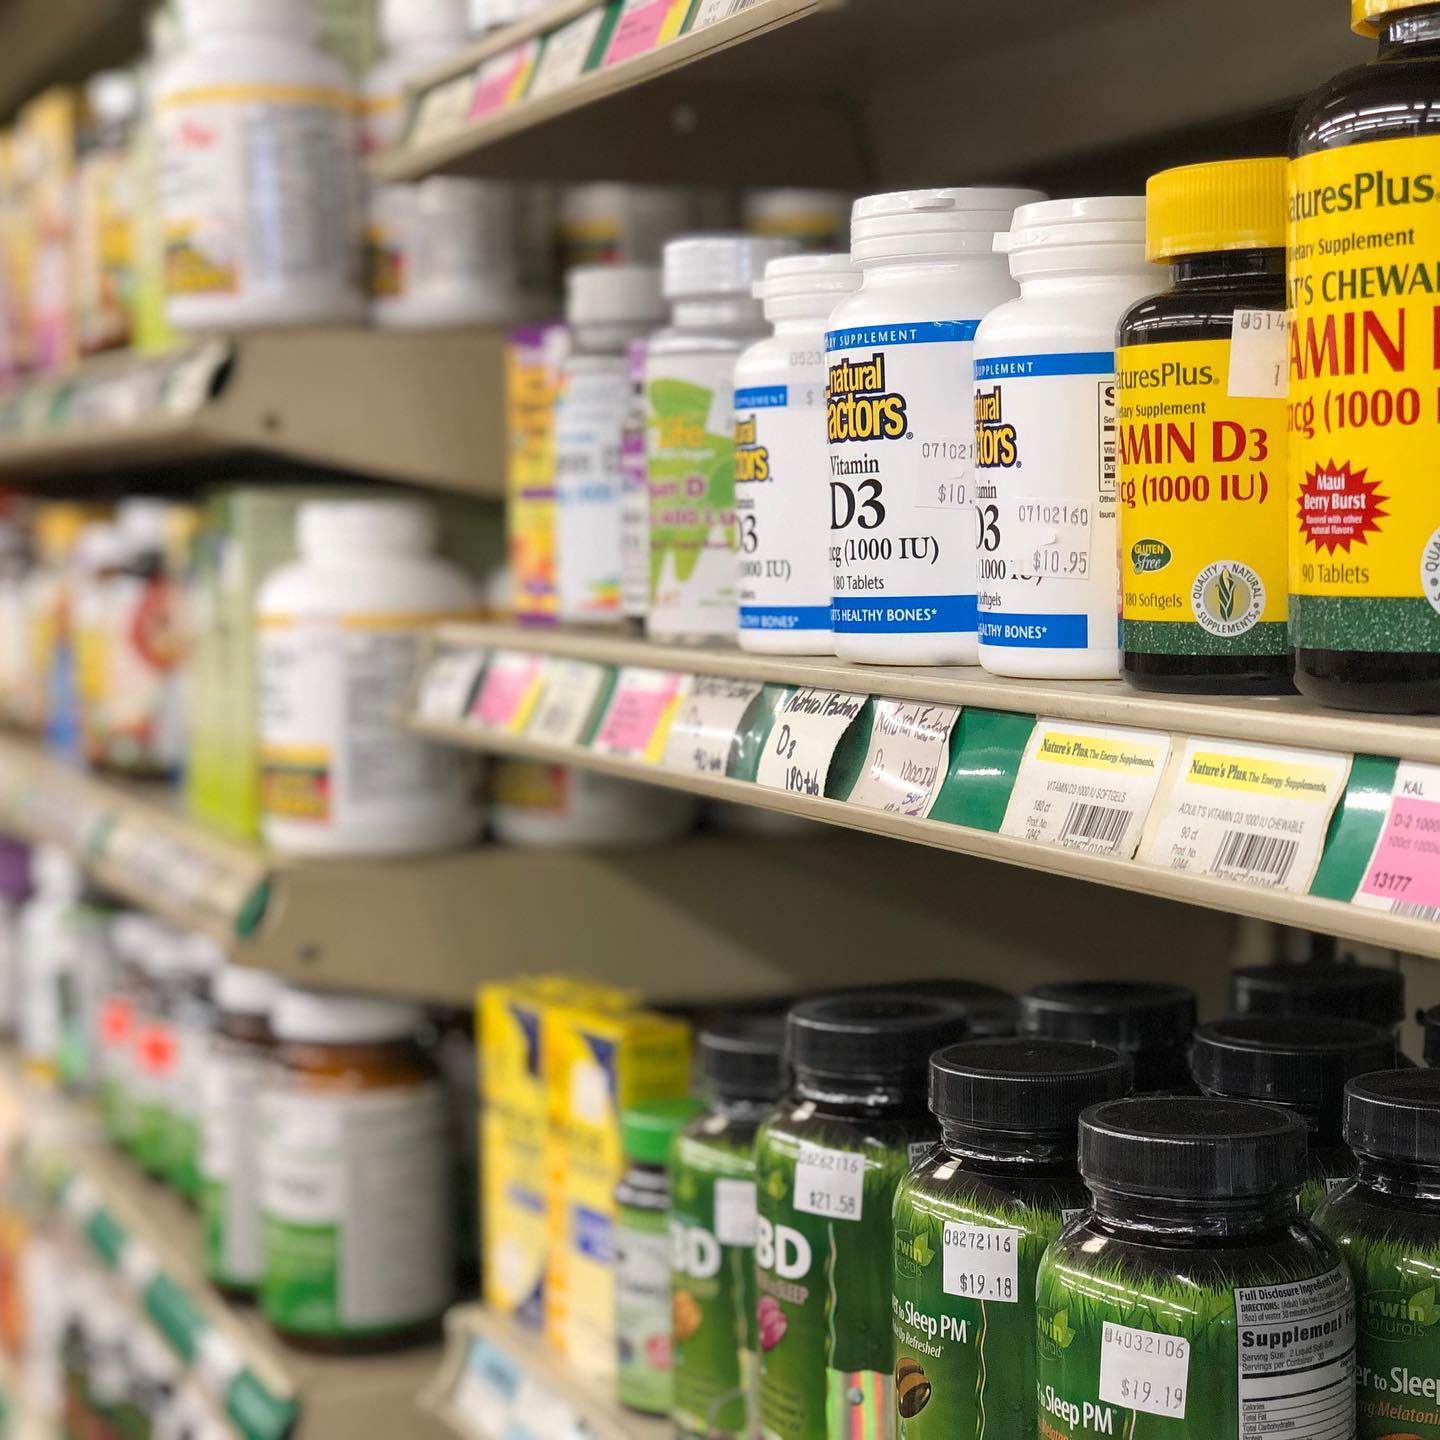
1045, 460
899, 362
780, 496
689, 447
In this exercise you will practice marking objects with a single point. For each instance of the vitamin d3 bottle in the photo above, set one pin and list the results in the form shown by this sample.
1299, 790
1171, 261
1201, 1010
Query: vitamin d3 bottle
1301, 1063
690, 429
781, 500
712, 1232
1365, 513
827, 1162
1149, 1024
972, 1220
1045, 464
899, 360
1387, 1225
1202, 438
1193, 1303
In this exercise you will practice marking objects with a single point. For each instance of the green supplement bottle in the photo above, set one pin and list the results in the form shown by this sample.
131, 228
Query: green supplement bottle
1193, 1302
712, 1231
1302, 1063
642, 1253
827, 1162
1319, 987
972, 1220
1387, 1225
1149, 1024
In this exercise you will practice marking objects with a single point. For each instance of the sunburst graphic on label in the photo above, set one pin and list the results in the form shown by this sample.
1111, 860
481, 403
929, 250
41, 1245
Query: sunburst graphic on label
1339, 507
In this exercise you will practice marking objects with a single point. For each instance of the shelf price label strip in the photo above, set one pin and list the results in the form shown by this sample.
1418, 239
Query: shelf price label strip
806, 728
636, 723
907, 758
705, 730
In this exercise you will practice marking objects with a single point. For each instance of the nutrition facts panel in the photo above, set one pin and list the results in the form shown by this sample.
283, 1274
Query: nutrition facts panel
1297, 1359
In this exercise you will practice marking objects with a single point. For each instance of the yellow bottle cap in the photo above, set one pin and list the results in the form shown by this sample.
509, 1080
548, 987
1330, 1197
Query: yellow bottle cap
1228, 205
1367, 16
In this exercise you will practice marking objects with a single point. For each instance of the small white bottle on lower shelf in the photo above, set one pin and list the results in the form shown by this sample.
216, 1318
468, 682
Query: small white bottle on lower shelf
339, 636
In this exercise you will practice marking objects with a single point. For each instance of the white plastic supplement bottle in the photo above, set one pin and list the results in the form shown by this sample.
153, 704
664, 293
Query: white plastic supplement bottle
901, 430
542, 807
782, 503
339, 635
440, 252
605, 223
634, 495
689, 438
606, 307
1045, 467
259, 170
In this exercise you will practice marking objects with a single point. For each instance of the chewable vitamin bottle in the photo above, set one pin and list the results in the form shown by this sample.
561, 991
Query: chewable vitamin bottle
1192, 1302
712, 1231
1364, 362
1302, 1063
1318, 987
827, 1161
1387, 1224
1045, 465
899, 357
782, 501
1201, 370
1149, 1024
642, 1254
972, 1220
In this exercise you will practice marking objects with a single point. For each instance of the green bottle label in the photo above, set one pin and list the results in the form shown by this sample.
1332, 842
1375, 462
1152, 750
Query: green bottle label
822, 1263
712, 1260
1193, 1350
642, 1309
966, 1256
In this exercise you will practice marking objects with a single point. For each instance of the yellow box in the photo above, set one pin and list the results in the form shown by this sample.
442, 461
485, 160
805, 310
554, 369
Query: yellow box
596, 1063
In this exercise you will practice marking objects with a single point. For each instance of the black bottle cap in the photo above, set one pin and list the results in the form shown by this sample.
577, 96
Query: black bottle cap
870, 1033
1348, 992
1395, 1115
1302, 1061
745, 1059
1024, 1086
1183, 1147
988, 1009
1430, 1023
1149, 1023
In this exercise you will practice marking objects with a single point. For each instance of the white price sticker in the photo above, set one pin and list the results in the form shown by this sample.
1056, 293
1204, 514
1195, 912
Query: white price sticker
735, 1212
1259, 355
1086, 787
448, 684
829, 1182
711, 12
908, 758
1140, 1370
808, 726
569, 691
702, 734
1255, 814
982, 1262
1051, 536
562, 61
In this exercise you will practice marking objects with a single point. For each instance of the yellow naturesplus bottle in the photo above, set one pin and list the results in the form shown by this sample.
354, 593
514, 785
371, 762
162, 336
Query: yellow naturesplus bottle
1201, 410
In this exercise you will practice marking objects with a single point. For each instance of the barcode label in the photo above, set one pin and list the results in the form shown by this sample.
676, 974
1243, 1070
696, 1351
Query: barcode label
1411, 911
1102, 826
711, 12
1263, 858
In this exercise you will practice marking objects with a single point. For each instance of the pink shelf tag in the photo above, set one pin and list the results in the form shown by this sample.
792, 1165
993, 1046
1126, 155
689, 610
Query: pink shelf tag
638, 719
508, 692
1404, 872
642, 26
502, 79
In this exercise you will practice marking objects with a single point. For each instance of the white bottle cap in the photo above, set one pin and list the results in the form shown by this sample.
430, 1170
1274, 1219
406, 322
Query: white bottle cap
720, 264
799, 280
112, 97
56, 874
203, 956
321, 1019
328, 528
613, 295
299, 18
131, 934
146, 521
932, 223
1100, 232
244, 990
405, 21
491, 14
102, 547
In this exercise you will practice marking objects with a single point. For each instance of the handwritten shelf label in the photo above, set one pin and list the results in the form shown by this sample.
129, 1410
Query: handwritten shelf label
1403, 876
703, 731
1086, 787
908, 757
508, 692
808, 726
637, 722
1256, 814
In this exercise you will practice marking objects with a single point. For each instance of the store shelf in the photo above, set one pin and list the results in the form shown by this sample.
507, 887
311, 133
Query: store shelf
986, 752
47, 41
838, 92
498, 1382
425, 409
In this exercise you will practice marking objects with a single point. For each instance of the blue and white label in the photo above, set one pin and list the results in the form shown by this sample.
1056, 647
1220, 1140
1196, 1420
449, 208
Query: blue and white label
1045, 477
781, 504
902, 521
